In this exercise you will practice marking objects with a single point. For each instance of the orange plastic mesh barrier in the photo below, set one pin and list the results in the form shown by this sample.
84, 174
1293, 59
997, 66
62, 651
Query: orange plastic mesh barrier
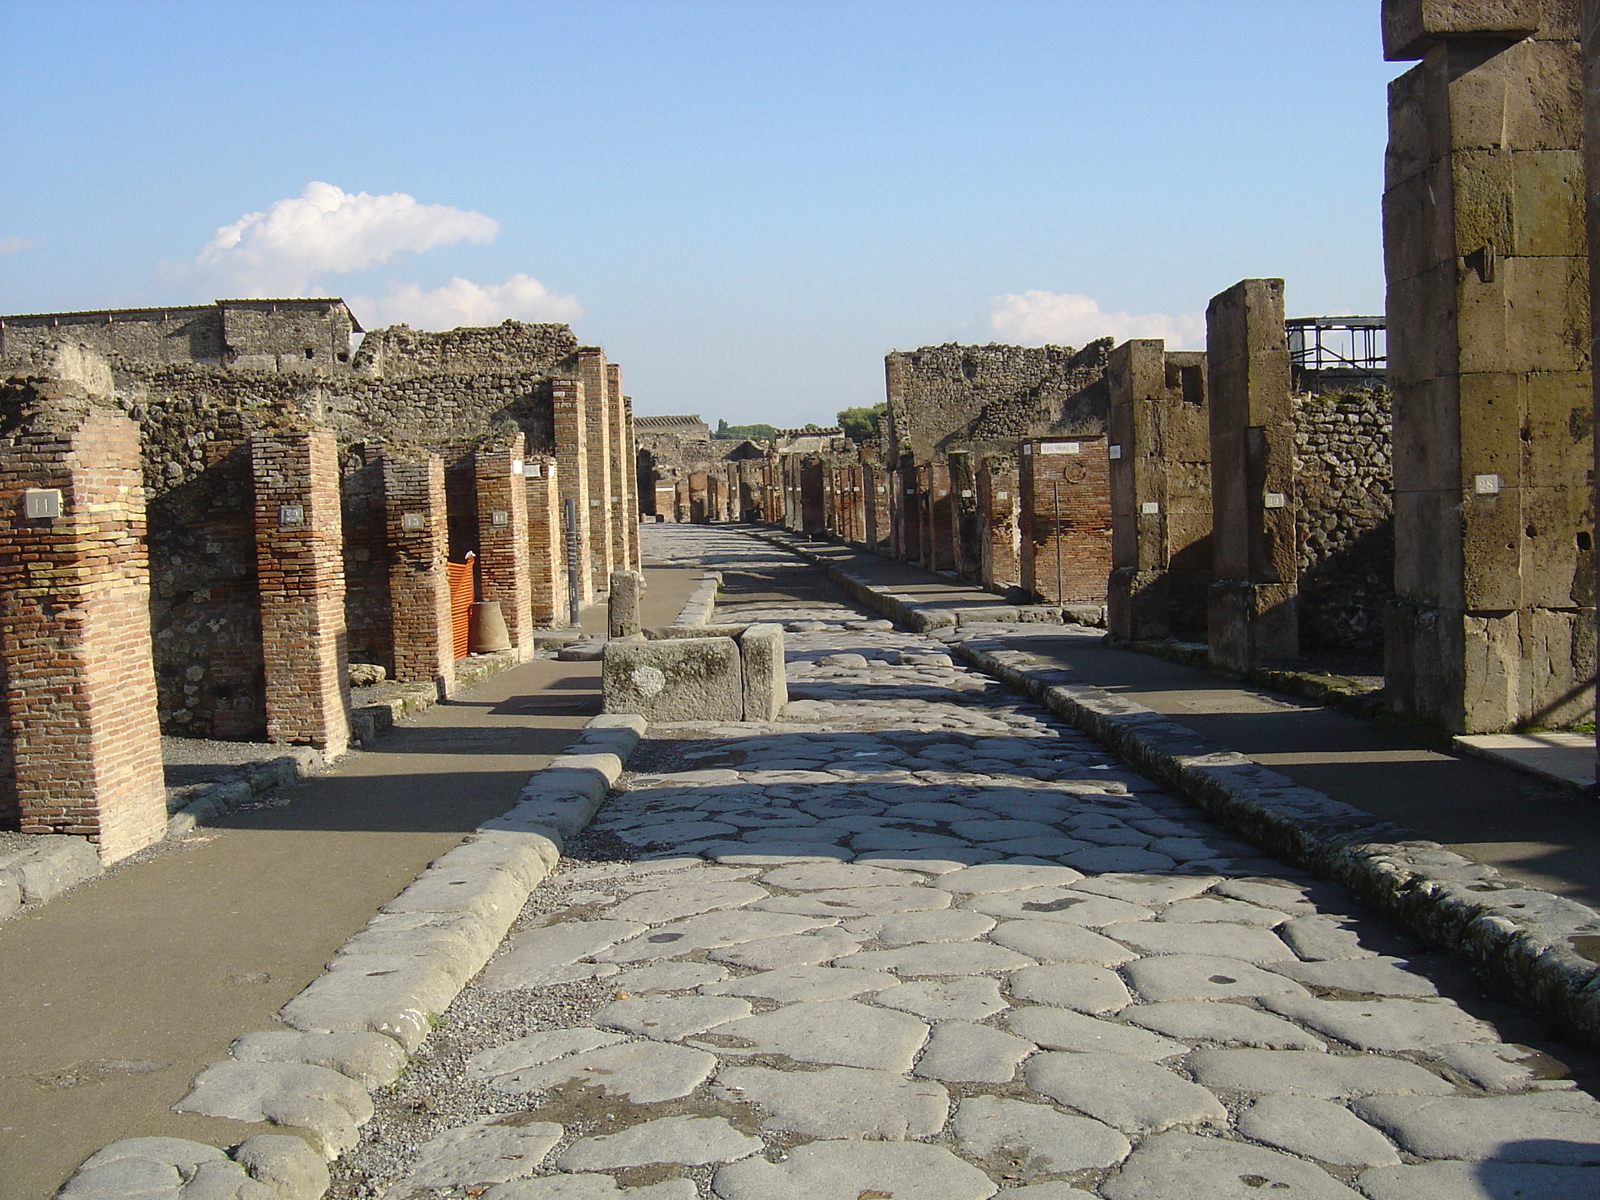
461, 597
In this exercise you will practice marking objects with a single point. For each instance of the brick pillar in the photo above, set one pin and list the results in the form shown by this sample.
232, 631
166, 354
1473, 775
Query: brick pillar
597, 417
504, 563
1160, 451
964, 538
1591, 153
547, 561
300, 576
620, 470
630, 480
80, 748
1486, 257
1066, 519
682, 502
998, 528
1251, 612
569, 402
419, 585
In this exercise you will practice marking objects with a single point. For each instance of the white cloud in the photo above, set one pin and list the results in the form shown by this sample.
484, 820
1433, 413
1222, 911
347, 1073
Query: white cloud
328, 230
13, 245
462, 302
1065, 319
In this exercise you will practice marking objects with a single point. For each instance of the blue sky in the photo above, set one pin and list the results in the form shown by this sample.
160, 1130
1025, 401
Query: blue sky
746, 203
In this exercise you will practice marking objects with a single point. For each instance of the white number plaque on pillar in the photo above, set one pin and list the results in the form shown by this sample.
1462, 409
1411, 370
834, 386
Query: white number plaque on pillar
291, 514
413, 522
41, 504
499, 518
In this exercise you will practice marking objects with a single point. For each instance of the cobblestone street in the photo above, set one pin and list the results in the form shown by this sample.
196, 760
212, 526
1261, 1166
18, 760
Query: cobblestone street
918, 940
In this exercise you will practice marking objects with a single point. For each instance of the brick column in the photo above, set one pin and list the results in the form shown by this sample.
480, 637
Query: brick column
80, 748
569, 402
620, 470
505, 568
630, 481
998, 528
1160, 450
300, 575
1591, 154
419, 585
547, 563
1251, 613
964, 537
1066, 519
597, 416
1486, 257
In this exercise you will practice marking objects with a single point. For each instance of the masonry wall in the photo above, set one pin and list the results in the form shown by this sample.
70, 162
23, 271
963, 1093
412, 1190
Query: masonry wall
999, 522
367, 602
1066, 519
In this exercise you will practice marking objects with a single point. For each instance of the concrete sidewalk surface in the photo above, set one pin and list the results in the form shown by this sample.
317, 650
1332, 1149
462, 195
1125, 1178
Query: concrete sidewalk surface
119, 992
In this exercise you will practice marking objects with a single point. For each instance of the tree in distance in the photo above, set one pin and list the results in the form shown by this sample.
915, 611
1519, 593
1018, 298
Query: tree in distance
861, 424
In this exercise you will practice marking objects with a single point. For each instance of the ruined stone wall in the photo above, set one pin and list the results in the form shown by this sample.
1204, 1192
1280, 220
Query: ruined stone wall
512, 347
1344, 519
1066, 519
942, 395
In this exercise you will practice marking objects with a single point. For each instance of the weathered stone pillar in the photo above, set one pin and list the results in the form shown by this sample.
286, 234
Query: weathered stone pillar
80, 748
1591, 160
630, 479
597, 416
1066, 519
1160, 461
569, 403
622, 512
419, 584
683, 502
505, 567
1250, 615
965, 547
1493, 620
547, 595
998, 523
300, 577
624, 597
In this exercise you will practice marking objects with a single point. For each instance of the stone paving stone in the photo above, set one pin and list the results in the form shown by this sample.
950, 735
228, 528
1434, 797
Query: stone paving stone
487, 1151
1042, 848
1219, 1021
840, 1032
591, 1187
807, 877
673, 833
961, 999
642, 1072
905, 839
855, 1170
840, 1102
1021, 1140
908, 929
1062, 1029
1118, 858
1504, 1066
1549, 1127
776, 854
668, 1018
535, 1049
1006, 877
1203, 977
1081, 986
1289, 895
1181, 1166
937, 863
1376, 976
1247, 943
1001, 829
1217, 908
691, 1141
794, 950
943, 958
1316, 1129
328, 1104
1150, 891
662, 904
669, 977
859, 902
1384, 1024
1308, 1073
1063, 904
788, 985
543, 956
1321, 938
1480, 1181
1126, 1093
959, 1052
371, 1059
1054, 942
709, 932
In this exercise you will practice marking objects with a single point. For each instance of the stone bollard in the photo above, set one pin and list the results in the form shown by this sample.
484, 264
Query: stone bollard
627, 594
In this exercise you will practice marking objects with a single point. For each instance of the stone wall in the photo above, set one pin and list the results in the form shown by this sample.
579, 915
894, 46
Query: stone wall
939, 396
1344, 519
1066, 519
510, 348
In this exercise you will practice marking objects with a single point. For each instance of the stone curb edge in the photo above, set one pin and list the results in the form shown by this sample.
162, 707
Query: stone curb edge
1517, 938
352, 1029
702, 601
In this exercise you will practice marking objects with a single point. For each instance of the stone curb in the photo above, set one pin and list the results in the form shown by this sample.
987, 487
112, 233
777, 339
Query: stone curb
1523, 940
1520, 939
905, 609
352, 1029
702, 602
41, 871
